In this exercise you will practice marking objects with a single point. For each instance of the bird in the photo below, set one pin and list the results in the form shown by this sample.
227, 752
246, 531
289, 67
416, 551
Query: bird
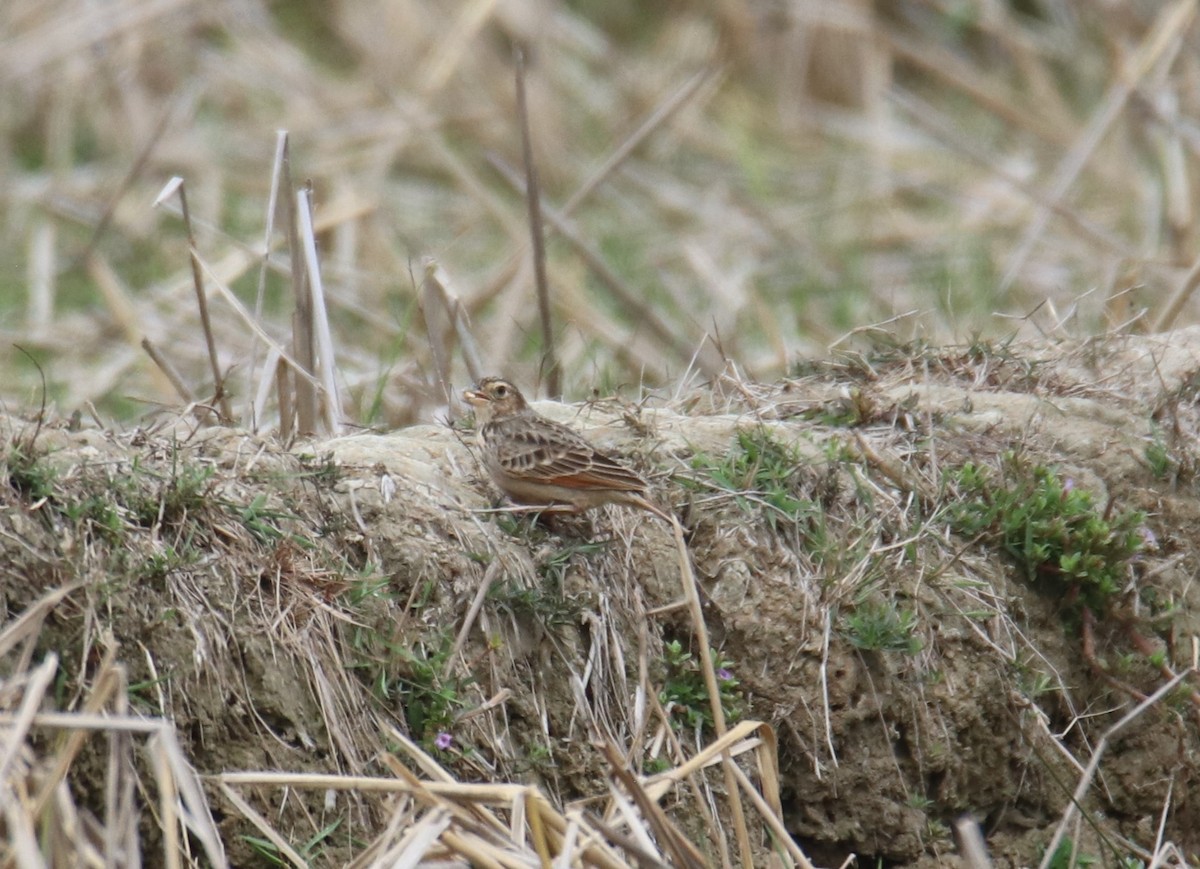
537, 461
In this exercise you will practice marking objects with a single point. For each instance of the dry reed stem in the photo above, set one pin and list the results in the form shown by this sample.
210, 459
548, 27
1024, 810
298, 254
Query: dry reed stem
251, 415
659, 115
26, 627
432, 310
23, 839
135, 171
1172, 21
467, 813
274, 379
467, 804
638, 310
972, 848
489, 577
447, 55
533, 197
1162, 818
734, 742
1183, 292
35, 691
87, 721
51, 807
635, 823
121, 800
116, 296
320, 317
286, 392
40, 275
417, 840
1085, 782
97, 699
303, 345
642, 856
533, 811
301, 374
172, 375
197, 815
425, 762
826, 713
261, 823
595, 849
691, 593
454, 308
177, 186
690, 776
773, 820
683, 852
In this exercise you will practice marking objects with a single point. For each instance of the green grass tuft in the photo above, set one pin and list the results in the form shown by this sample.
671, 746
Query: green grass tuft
881, 627
1052, 529
764, 475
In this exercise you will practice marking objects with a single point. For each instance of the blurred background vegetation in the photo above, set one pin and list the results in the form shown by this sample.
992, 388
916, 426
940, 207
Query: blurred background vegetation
750, 183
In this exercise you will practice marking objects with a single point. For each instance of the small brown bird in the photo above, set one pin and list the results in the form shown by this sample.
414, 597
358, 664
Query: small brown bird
535, 460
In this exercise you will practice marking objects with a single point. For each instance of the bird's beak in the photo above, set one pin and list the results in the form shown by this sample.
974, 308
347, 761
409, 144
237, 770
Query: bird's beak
474, 398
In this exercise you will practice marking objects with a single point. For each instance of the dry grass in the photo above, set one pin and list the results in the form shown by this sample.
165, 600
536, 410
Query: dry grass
738, 188
746, 184
211, 535
244, 589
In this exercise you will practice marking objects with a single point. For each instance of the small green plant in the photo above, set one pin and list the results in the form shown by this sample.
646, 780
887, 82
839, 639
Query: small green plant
1050, 527
322, 470
936, 830
655, 765
97, 514
763, 474
538, 758
1033, 682
311, 850
186, 490
1067, 857
847, 411
431, 701
159, 565
920, 802
368, 585
1158, 456
28, 474
882, 627
142, 694
263, 522
684, 691
543, 602
151, 497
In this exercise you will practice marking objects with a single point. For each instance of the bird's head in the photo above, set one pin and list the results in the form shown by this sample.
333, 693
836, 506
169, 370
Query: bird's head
494, 397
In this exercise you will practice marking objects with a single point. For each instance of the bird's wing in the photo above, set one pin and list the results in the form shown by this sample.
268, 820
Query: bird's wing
552, 454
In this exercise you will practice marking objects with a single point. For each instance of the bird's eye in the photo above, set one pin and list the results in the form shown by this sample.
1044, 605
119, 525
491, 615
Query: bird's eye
501, 391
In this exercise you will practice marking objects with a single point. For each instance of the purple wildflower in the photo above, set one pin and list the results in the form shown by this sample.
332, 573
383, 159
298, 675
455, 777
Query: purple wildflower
444, 740
724, 675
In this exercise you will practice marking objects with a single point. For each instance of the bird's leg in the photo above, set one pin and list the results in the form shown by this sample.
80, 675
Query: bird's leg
542, 508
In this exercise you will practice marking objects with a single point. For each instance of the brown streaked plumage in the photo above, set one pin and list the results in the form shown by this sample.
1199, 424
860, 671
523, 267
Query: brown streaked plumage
535, 460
